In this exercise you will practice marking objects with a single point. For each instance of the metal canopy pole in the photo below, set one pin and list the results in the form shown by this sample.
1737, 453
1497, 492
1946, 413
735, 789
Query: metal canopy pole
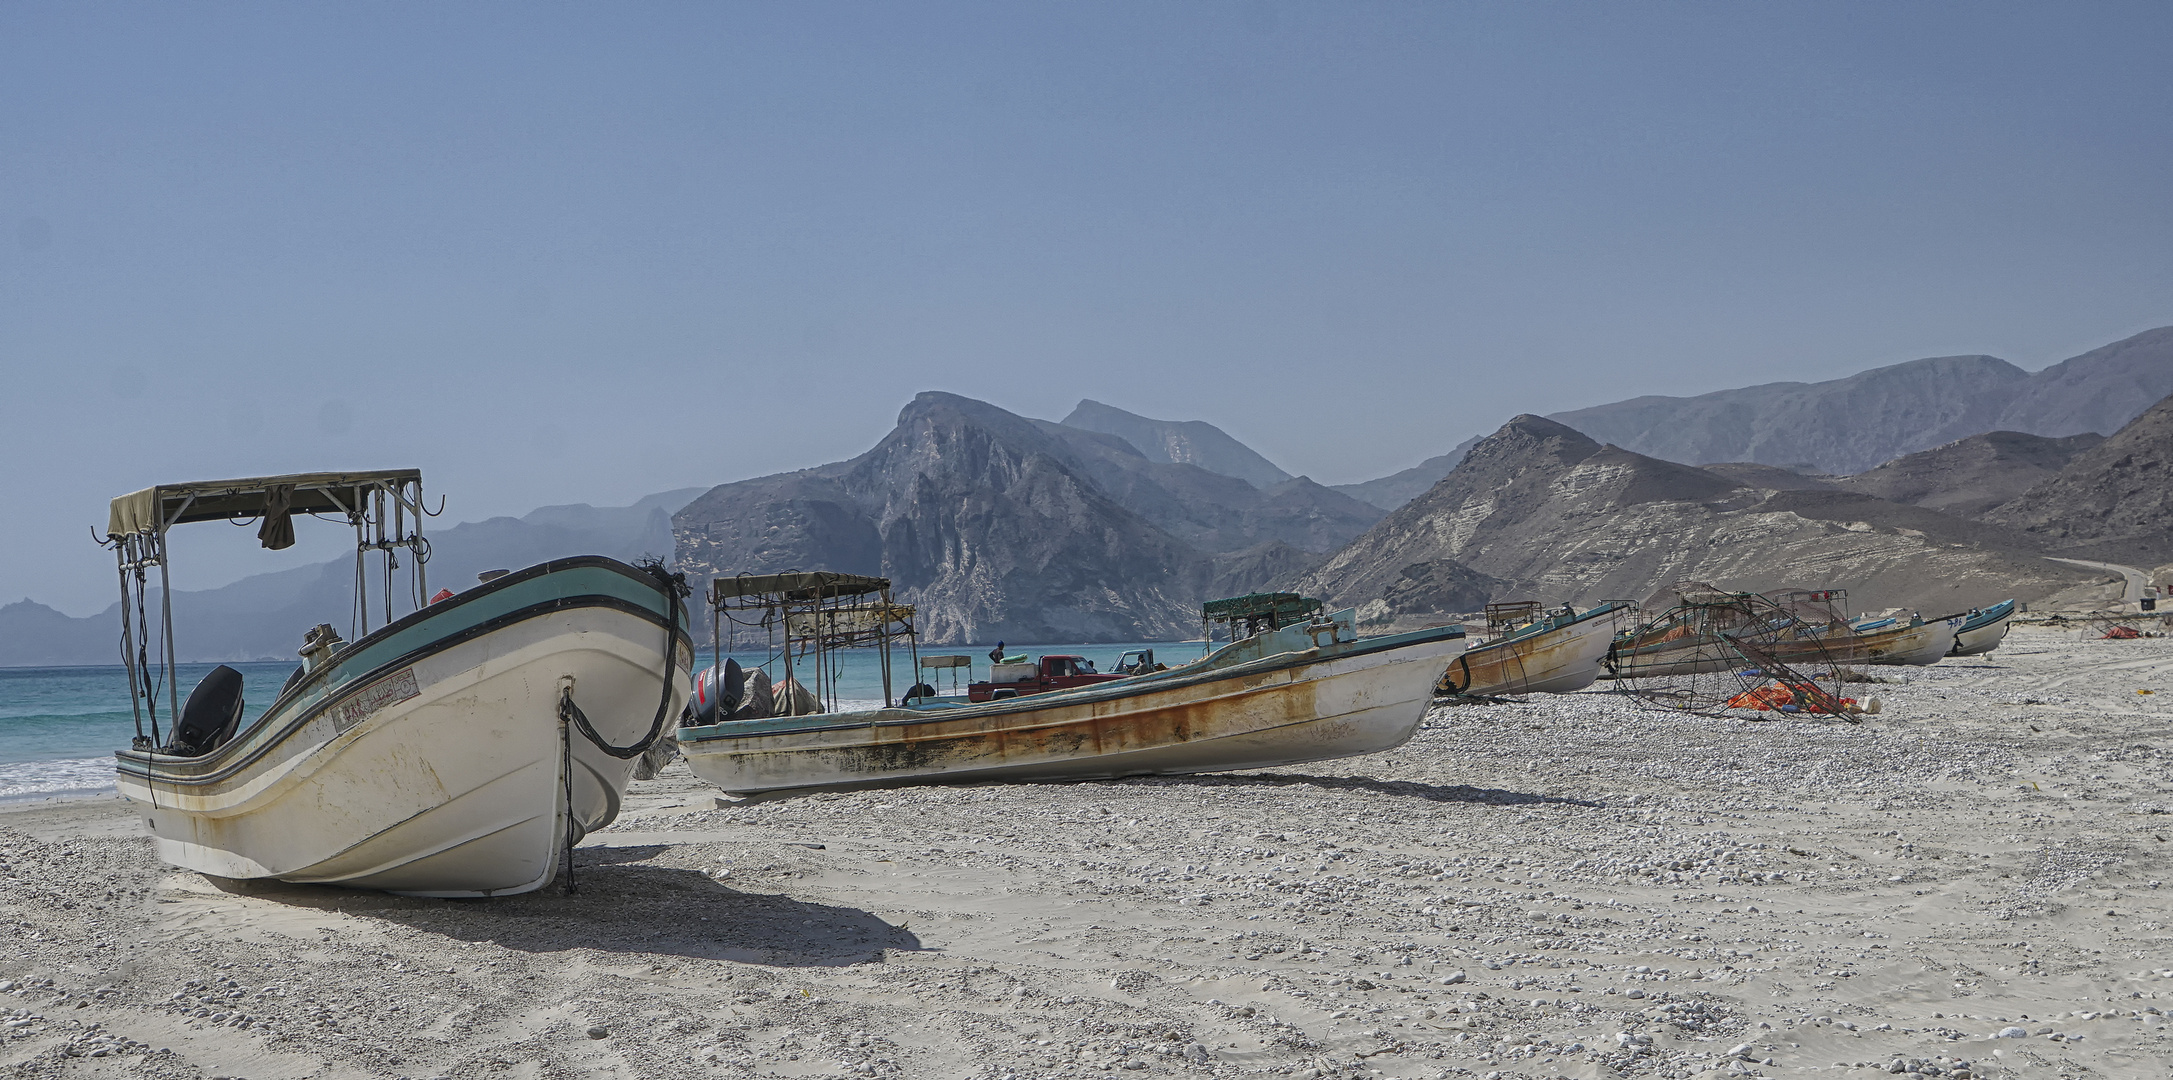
128, 644
362, 575
385, 547
166, 619
422, 575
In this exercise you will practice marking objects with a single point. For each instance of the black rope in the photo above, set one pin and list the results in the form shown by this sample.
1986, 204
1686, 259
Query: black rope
565, 749
1463, 658
143, 653
674, 586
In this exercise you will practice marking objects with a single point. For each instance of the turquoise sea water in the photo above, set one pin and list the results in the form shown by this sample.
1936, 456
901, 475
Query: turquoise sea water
60, 726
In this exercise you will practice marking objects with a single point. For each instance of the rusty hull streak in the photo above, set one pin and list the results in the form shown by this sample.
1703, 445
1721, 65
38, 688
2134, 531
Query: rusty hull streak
937, 746
1565, 657
1255, 720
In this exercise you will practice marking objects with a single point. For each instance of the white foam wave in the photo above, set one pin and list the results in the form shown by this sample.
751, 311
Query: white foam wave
45, 779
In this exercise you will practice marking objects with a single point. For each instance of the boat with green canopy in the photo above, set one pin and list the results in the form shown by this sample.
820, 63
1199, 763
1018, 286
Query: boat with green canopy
1296, 684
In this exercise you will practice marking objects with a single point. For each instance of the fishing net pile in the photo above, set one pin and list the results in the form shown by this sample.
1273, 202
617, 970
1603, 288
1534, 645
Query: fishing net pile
1714, 652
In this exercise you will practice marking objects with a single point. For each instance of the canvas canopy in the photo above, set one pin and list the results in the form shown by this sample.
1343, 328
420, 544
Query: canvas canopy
850, 621
799, 586
156, 509
1283, 606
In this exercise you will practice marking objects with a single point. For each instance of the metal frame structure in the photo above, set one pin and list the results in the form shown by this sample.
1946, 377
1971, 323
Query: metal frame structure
1255, 613
386, 509
1738, 643
945, 663
815, 613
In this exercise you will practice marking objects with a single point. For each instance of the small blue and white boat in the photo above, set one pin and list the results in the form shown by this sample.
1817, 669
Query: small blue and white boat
1983, 629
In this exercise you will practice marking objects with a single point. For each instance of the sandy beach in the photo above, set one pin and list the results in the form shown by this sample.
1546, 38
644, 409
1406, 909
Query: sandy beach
1572, 887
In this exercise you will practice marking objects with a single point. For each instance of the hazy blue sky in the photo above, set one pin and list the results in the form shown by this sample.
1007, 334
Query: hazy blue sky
582, 253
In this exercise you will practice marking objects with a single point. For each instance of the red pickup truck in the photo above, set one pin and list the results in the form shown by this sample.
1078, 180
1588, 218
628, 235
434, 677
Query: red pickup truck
1052, 673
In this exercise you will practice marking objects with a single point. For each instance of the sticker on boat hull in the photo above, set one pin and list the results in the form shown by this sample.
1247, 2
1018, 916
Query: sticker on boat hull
390, 690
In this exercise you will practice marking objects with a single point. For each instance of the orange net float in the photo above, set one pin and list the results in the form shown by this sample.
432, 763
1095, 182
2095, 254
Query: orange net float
1781, 696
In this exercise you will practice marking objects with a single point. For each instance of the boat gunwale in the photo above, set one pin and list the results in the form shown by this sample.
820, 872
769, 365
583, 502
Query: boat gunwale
1520, 639
1979, 618
1526, 633
217, 766
1091, 694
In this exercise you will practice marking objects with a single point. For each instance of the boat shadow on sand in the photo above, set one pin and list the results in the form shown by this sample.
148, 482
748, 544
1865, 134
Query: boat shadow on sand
625, 905
1449, 793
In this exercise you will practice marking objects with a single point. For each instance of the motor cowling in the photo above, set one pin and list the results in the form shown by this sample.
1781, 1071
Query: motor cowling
212, 713
717, 693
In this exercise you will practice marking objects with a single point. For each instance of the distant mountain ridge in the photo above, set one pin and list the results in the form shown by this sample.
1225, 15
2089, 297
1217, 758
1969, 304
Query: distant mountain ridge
1178, 442
1114, 525
1397, 488
1848, 425
1970, 476
1539, 510
996, 525
2111, 501
265, 615
981, 518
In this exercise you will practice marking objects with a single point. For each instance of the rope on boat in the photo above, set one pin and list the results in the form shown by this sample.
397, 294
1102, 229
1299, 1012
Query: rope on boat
674, 586
570, 716
1463, 658
565, 772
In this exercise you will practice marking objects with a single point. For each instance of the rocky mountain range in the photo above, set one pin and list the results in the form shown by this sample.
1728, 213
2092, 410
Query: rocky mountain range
1969, 476
1178, 442
1397, 488
1000, 526
1542, 510
1111, 525
2111, 501
1849, 425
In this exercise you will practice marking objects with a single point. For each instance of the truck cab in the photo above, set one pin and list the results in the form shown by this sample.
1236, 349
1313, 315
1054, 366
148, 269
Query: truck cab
1054, 672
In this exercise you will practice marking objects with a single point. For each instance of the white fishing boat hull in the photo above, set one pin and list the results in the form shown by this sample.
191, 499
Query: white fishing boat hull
443, 771
1982, 639
1557, 661
1916, 646
1279, 709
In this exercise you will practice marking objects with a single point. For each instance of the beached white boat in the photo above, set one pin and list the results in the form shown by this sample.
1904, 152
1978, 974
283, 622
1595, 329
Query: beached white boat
1917, 643
460, 750
1983, 629
1302, 692
1554, 654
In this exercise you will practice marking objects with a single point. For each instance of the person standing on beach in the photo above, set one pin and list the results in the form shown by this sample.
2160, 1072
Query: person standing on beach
996, 655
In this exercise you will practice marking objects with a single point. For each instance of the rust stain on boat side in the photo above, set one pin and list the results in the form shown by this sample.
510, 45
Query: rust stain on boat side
1064, 735
1514, 667
1520, 665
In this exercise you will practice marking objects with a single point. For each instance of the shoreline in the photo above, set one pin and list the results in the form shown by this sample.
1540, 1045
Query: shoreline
1574, 886
9, 803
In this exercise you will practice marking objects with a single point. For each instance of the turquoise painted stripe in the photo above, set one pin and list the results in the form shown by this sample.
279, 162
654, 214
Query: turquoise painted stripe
555, 585
1989, 616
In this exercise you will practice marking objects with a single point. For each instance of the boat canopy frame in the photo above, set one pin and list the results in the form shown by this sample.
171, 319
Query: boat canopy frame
1256, 613
815, 613
384, 506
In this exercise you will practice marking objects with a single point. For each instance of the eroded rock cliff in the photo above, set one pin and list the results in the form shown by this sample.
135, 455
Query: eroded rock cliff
980, 517
1559, 517
2112, 501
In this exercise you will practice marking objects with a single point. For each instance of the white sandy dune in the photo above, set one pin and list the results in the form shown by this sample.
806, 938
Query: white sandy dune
1574, 887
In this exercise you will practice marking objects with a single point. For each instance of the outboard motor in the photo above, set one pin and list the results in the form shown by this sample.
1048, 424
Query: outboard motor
716, 694
211, 715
